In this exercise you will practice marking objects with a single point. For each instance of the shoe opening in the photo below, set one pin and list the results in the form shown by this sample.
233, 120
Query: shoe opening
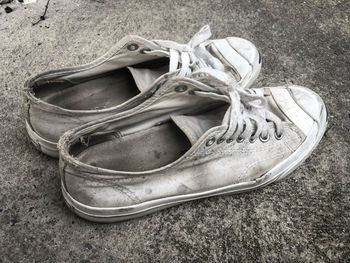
148, 148
105, 89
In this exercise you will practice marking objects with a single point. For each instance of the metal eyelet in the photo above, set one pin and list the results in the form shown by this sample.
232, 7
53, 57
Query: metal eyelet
239, 140
221, 140
191, 92
133, 47
181, 88
144, 50
278, 137
210, 142
252, 140
262, 139
229, 140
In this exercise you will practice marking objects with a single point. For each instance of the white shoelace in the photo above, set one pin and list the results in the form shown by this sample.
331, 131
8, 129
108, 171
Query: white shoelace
247, 116
188, 57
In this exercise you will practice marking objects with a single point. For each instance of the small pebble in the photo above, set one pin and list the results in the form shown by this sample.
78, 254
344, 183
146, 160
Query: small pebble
88, 246
14, 221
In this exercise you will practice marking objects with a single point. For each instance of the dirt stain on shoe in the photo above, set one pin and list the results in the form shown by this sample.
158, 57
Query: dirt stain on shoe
183, 189
157, 154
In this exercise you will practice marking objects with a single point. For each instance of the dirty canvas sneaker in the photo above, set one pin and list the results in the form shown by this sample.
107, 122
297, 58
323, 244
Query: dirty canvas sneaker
125, 166
125, 77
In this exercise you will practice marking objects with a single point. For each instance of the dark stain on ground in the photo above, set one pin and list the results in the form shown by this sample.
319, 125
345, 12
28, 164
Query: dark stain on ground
8, 9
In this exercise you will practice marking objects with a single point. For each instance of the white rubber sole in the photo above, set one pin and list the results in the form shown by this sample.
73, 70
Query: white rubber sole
43, 145
283, 169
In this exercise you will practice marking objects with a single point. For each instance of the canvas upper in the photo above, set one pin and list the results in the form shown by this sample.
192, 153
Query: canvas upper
126, 76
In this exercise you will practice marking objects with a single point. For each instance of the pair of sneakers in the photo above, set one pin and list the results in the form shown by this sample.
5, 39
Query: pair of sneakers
152, 124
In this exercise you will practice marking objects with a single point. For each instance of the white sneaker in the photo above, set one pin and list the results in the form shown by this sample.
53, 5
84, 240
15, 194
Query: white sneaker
123, 78
128, 165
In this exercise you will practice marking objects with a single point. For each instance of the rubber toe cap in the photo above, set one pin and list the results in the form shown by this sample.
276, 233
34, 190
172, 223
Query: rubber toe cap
300, 105
309, 101
246, 49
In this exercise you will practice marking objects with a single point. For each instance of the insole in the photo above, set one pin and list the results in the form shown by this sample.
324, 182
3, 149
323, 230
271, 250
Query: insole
101, 92
145, 150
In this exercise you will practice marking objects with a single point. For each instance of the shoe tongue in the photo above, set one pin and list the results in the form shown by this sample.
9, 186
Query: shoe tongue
144, 77
195, 126
226, 50
214, 78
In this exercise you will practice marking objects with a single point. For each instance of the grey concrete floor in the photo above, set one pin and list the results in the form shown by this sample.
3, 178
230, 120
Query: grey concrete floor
305, 218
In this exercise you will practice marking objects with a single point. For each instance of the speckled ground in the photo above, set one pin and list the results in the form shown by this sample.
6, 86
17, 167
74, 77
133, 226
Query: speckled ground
305, 218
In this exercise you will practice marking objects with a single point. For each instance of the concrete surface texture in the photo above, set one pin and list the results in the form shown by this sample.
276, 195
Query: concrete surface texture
305, 218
